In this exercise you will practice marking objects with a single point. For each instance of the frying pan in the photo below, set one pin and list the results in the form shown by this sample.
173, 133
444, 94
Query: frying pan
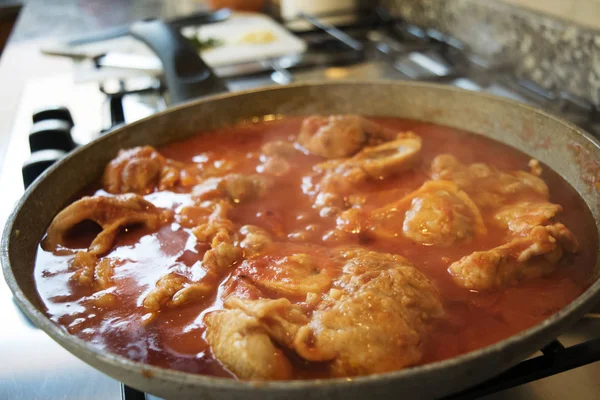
568, 150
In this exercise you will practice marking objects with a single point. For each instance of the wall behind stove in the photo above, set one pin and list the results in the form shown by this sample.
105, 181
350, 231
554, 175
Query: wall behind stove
556, 53
585, 12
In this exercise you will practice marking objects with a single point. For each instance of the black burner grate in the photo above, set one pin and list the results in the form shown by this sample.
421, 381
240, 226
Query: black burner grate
554, 360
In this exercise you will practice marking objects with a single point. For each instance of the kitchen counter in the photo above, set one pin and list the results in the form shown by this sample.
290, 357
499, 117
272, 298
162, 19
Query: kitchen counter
44, 21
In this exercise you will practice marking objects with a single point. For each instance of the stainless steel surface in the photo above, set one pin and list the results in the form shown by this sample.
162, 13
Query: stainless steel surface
333, 31
34, 366
197, 18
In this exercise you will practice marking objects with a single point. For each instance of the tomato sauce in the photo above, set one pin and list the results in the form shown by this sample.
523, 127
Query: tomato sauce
175, 339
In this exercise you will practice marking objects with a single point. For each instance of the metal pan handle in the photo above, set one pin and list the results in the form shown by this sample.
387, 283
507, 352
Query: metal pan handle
186, 74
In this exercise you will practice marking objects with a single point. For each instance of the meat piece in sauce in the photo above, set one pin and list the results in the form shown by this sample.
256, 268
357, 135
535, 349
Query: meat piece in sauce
255, 239
280, 318
220, 229
438, 213
389, 158
380, 305
276, 158
243, 336
442, 216
244, 346
217, 225
521, 217
331, 192
526, 257
384, 160
338, 136
140, 170
235, 187
375, 318
97, 275
173, 289
534, 246
111, 213
164, 290
227, 243
488, 186
295, 275
228, 247
221, 257
89, 271
280, 148
341, 177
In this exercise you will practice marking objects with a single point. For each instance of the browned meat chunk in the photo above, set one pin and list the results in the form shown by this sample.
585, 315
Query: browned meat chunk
221, 257
383, 160
280, 148
340, 178
226, 243
89, 271
487, 186
274, 166
140, 170
277, 158
192, 293
438, 213
442, 215
255, 239
522, 217
296, 274
331, 192
535, 247
235, 187
218, 228
389, 158
228, 247
566, 239
531, 256
339, 136
111, 213
382, 305
174, 290
332, 137
280, 318
103, 274
84, 265
165, 288
244, 346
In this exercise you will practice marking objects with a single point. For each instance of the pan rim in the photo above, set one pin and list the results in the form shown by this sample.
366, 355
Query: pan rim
579, 305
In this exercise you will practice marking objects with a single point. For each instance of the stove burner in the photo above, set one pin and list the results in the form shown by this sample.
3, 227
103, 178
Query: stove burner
554, 360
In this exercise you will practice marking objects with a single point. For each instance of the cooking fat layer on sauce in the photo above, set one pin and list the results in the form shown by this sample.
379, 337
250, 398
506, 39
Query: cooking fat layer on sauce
299, 247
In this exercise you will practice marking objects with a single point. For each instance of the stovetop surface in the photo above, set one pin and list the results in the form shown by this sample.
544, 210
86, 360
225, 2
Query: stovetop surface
35, 367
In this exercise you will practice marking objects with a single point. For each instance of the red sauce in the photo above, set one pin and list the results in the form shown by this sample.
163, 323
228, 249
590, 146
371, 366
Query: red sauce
175, 338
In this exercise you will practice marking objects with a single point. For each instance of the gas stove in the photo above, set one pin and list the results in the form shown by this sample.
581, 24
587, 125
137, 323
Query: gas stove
375, 47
